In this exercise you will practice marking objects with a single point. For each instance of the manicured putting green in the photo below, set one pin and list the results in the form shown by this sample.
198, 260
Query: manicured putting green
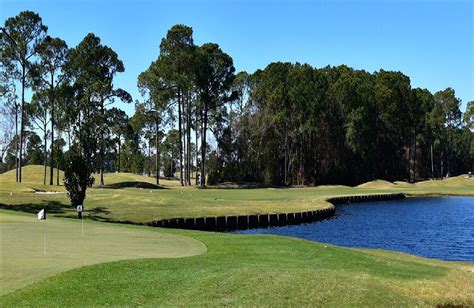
22, 256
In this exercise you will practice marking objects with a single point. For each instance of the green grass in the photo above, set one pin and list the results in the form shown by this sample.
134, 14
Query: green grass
23, 260
32, 178
242, 270
144, 205
236, 270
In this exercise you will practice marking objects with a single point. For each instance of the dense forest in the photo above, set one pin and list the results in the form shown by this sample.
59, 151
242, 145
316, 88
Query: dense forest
286, 124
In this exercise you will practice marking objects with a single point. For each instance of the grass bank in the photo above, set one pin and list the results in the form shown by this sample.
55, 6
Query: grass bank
240, 270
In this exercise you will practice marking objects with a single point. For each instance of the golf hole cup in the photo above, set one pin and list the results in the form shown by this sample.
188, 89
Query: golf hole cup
79, 211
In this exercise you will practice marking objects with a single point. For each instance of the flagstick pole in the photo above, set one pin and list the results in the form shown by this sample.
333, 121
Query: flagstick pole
44, 239
82, 224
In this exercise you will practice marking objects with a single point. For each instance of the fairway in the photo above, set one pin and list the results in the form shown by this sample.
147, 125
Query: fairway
140, 206
23, 262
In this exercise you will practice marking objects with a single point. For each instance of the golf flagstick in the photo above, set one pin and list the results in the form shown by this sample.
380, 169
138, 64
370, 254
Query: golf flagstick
44, 239
42, 216
79, 211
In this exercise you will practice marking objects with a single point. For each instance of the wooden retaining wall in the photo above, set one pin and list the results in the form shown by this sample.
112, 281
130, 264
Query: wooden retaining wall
365, 198
244, 222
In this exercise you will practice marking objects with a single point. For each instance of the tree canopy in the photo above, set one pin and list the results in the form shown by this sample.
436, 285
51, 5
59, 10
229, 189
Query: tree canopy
285, 124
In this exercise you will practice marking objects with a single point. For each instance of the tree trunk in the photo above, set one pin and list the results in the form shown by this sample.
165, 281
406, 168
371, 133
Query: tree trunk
45, 155
102, 170
16, 142
180, 140
414, 162
51, 101
188, 136
185, 145
442, 164
301, 167
203, 146
57, 159
409, 163
149, 158
196, 151
102, 150
157, 158
188, 155
118, 155
22, 125
432, 164
69, 137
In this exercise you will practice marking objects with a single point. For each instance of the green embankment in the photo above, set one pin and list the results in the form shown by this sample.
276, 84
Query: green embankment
235, 270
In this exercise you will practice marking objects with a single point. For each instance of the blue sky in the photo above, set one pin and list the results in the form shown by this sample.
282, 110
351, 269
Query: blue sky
430, 41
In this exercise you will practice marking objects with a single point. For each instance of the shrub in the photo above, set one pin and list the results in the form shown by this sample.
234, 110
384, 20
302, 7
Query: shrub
76, 177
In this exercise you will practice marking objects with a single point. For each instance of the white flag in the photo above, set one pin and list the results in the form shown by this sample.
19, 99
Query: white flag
41, 215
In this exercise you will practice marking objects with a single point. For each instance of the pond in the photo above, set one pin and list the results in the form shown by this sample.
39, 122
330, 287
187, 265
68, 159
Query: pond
432, 227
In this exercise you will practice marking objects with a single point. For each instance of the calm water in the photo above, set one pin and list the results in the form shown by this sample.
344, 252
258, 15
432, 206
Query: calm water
435, 227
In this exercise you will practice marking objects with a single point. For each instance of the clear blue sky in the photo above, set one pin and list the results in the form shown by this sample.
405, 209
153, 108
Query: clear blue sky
430, 41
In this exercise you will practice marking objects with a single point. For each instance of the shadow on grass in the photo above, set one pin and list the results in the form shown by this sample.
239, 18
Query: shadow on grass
109, 220
244, 185
65, 210
95, 215
132, 184
52, 207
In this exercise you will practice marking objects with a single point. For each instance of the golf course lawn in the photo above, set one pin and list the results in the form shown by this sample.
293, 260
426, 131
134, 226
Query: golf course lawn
172, 201
235, 270
179, 267
23, 259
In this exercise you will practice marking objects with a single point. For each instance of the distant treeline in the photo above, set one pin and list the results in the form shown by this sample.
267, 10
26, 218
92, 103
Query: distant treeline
288, 124
303, 125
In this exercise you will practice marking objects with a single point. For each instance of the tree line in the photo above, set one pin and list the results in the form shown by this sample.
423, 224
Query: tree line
286, 124
336, 125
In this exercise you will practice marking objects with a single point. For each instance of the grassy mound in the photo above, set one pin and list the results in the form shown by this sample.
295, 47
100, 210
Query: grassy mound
452, 181
377, 184
32, 174
333, 187
132, 184
23, 261
114, 178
